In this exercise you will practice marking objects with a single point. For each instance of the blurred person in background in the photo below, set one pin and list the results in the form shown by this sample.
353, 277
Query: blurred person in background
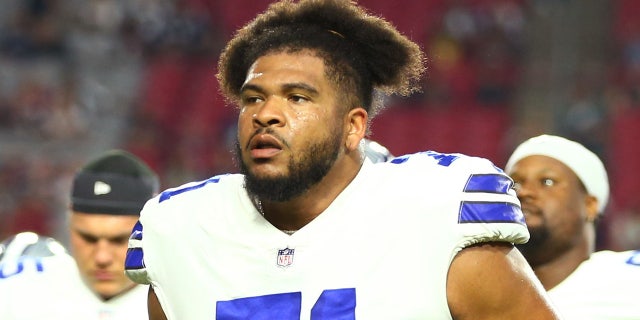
563, 188
27, 244
89, 283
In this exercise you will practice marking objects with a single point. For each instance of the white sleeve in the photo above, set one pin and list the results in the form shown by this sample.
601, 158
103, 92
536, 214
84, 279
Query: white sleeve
481, 193
489, 208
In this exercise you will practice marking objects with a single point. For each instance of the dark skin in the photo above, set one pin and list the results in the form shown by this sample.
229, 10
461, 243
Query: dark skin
494, 281
560, 215
154, 307
281, 92
290, 93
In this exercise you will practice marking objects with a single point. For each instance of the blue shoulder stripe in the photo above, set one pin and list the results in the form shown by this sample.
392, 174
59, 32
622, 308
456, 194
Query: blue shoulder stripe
174, 192
135, 259
478, 212
135, 255
136, 233
492, 183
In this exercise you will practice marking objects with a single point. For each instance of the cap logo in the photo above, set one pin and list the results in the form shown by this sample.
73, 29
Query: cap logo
100, 188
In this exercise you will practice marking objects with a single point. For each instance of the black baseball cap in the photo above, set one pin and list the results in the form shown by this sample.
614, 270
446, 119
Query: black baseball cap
117, 182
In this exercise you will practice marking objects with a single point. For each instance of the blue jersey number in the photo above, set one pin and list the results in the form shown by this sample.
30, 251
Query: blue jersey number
11, 269
337, 304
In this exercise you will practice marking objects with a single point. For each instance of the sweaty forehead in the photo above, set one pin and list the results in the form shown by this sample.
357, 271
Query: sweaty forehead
303, 65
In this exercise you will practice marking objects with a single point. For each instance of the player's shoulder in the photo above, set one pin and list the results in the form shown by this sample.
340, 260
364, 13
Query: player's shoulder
216, 186
632, 257
28, 269
183, 204
451, 169
29, 244
629, 258
482, 205
26, 254
445, 161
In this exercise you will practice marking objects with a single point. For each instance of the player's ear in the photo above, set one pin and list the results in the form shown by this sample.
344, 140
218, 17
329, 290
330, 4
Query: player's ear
356, 127
591, 203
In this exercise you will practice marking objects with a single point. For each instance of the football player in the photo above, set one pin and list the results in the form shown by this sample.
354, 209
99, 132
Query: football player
564, 189
310, 229
39, 280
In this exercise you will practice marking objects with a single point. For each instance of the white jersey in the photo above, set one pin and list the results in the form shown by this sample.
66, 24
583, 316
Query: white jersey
36, 288
604, 287
381, 250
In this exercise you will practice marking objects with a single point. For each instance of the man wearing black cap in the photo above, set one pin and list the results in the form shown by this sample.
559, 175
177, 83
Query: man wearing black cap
107, 196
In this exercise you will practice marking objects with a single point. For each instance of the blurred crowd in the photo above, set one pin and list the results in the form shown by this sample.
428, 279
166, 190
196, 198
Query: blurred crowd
78, 77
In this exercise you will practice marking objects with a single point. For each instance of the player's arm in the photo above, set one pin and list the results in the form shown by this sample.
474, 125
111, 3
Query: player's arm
153, 306
494, 281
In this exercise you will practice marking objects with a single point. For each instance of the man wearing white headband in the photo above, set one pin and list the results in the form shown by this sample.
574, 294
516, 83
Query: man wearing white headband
563, 189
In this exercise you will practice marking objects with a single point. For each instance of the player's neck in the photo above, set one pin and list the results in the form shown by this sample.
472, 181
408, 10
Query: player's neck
296, 213
558, 269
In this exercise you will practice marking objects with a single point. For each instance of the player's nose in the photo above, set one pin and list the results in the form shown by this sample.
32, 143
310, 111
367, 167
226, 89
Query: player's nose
104, 253
270, 112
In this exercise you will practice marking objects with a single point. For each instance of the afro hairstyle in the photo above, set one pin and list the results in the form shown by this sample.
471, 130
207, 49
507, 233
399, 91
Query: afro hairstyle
365, 55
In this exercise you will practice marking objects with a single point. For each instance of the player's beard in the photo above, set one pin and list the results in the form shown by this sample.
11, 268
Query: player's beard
309, 168
536, 249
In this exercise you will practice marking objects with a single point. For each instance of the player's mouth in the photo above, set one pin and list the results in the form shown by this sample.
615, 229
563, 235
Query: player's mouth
528, 209
264, 146
103, 275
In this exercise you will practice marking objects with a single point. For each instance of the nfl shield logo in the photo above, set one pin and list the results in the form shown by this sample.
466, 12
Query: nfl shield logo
285, 257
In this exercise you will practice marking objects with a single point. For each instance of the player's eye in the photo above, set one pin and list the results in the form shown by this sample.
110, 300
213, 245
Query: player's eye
119, 240
89, 238
548, 182
250, 100
298, 98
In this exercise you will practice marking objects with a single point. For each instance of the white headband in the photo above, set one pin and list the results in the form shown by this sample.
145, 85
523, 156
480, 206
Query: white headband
584, 163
